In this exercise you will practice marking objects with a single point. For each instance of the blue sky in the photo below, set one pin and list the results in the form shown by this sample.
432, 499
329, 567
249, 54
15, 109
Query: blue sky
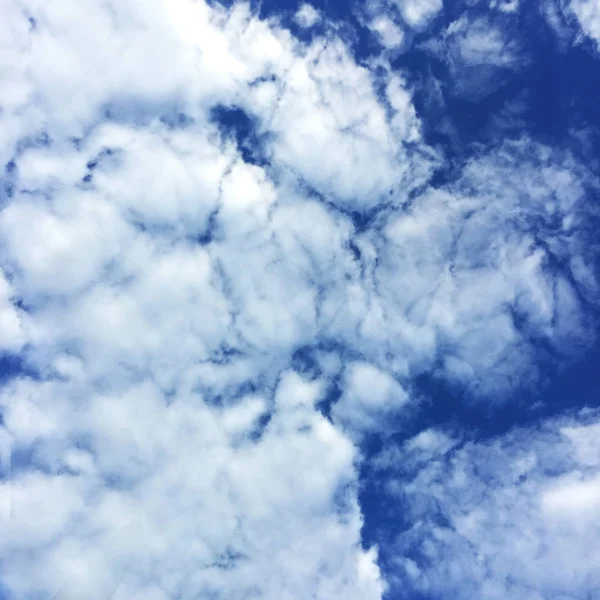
299, 300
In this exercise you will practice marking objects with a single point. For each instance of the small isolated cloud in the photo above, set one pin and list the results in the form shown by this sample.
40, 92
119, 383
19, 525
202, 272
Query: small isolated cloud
307, 16
479, 52
388, 33
574, 22
418, 13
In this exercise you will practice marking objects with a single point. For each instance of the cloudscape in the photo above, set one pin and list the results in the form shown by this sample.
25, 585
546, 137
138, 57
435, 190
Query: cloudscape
299, 300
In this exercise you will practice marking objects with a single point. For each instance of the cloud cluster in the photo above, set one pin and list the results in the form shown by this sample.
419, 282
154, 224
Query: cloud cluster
467, 277
418, 14
187, 305
587, 13
515, 516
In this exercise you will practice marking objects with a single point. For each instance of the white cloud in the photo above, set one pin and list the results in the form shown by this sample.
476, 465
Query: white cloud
157, 285
506, 6
573, 21
307, 16
139, 333
371, 399
587, 13
513, 516
452, 264
480, 43
418, 13
389, 34
180, 498
343, 149
573, 500
46, 241
478, 52
12, 326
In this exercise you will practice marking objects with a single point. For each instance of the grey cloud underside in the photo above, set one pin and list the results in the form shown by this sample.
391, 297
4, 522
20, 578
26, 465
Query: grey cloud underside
162, 289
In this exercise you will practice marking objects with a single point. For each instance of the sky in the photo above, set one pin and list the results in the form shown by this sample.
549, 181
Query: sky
299, 301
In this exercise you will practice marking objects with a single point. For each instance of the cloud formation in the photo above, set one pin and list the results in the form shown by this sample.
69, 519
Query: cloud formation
574, 22
225, 256
307, 15
481, 52
130, 497
512, 516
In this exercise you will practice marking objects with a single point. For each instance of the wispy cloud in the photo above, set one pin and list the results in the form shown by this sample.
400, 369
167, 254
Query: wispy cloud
515, 515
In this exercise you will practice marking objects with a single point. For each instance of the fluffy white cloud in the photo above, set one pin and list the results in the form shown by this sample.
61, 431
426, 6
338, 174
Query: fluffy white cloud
159, 284
141, 428
513, 516
418, 13
343, 149
370, 397
184, 499
12, 327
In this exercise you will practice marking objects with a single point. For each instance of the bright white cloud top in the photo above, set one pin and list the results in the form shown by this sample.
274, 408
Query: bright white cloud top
184, 305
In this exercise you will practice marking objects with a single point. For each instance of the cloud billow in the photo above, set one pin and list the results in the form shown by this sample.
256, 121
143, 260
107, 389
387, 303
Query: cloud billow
226, 257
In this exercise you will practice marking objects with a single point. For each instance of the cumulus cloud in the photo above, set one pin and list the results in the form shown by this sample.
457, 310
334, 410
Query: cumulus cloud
389, 34
343, 149
187, 308
418, 13
513, 516
307, 16
394, 23
132, 241
574, 22
370, 395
